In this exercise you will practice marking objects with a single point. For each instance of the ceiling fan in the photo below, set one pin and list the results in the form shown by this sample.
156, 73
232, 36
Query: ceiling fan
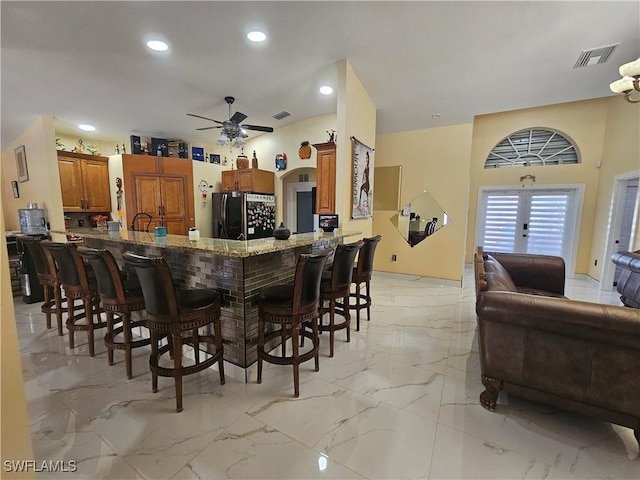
232, 131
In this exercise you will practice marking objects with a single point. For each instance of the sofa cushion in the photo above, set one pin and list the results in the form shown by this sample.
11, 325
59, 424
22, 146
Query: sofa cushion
498, 279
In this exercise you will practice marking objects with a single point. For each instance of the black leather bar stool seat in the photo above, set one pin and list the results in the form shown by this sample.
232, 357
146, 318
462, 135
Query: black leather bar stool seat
362, 275
290, 307
121, 295
335, 284
172, 312
47, 272
79, 283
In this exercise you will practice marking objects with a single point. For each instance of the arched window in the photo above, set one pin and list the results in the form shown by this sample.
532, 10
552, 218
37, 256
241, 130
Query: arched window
534, 146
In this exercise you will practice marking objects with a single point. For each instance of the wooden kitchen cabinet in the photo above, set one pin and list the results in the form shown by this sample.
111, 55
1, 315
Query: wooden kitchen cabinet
163, 198
161, 187
84, 181
248, 180
325, 178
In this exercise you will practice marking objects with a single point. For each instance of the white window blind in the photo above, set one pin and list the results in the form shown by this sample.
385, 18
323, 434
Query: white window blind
500, 222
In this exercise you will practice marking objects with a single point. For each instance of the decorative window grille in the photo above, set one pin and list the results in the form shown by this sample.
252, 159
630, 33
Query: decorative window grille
534, 146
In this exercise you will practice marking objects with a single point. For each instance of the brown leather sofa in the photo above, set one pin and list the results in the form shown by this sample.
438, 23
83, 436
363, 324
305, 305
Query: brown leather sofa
535, 343
628, 285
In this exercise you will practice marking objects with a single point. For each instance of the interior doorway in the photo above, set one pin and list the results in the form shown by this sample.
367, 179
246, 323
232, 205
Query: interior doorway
304, 211
624, 214
299, 209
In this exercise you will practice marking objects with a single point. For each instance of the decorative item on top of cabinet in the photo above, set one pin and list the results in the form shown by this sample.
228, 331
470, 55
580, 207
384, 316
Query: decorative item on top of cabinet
304, 152
242, 162
93, 150
254, 160
325, 178
84, 180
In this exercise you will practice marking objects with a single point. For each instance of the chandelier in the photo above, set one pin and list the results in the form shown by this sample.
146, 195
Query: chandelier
629, 82
232, 134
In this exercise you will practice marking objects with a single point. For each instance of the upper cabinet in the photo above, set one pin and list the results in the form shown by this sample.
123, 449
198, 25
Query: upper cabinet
84, 180
248, 180
326, 178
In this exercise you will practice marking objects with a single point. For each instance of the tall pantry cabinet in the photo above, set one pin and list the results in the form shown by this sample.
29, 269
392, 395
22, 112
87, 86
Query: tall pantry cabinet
161, 187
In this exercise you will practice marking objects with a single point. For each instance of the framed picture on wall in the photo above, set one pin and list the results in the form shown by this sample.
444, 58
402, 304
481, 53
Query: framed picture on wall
197, 153
21, 163
214, 158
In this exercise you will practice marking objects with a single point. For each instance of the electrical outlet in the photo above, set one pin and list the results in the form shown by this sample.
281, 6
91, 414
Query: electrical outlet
394, 258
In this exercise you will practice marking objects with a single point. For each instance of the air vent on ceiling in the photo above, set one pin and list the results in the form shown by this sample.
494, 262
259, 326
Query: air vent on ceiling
281, 115
595, 56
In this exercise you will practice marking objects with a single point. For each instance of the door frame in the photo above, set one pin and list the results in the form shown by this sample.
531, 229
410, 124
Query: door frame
573, 225
614, 225
292, 201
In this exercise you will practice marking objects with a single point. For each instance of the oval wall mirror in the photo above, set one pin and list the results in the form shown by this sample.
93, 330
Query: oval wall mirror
420, 219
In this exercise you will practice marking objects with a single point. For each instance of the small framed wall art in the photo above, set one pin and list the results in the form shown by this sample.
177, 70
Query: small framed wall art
21, 164
197, 153
214, 158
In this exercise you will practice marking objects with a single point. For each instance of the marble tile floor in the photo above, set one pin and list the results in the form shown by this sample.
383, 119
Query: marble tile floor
399, 401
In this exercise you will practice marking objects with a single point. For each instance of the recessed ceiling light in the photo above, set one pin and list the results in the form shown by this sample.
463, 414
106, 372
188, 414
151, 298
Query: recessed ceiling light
157, 45
257, 36
86, 127
326, 90
436, 116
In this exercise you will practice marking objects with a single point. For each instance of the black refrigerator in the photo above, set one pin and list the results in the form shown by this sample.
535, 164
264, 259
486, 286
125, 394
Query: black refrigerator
243, 215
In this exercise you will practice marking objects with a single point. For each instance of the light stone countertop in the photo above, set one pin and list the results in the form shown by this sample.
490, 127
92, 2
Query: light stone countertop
217, 246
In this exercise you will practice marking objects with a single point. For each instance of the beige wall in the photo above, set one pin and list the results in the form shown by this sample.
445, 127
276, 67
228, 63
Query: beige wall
437, 160
16, 434
42, 165
620, 154
583, 122
287, 140
356, 118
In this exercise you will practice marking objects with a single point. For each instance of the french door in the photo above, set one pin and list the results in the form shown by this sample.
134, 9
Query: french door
528, 221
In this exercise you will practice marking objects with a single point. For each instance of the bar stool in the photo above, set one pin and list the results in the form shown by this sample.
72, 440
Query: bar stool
48, 277
172, 312
292, 306
121, 295
362, 274
79, 283
335, 284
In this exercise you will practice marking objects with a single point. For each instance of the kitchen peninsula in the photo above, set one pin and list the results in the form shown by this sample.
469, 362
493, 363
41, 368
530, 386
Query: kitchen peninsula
237, 269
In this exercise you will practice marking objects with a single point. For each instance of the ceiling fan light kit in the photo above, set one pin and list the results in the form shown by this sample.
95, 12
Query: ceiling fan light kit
231, 131
630, 81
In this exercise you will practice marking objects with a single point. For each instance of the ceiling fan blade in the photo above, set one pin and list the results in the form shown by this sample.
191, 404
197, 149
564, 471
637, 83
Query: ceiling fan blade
209, 128
258, 128
238, 117
204, 118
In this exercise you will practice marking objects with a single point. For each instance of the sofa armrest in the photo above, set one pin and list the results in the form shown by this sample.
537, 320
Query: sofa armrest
590, 321
627, 260
539, 272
